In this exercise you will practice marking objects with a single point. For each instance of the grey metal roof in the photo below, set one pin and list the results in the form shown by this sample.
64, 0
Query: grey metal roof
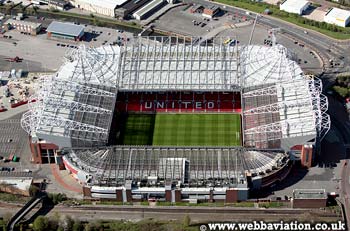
309, 194
65, 28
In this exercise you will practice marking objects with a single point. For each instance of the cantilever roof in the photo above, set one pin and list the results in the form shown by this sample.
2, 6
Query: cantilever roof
65, 28
170, 64
113, 165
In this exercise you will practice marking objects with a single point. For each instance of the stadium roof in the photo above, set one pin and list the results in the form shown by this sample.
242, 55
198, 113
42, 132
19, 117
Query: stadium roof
288, 105
65, 28
114, 165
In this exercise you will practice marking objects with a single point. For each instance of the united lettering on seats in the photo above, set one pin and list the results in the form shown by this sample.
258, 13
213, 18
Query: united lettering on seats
179, 104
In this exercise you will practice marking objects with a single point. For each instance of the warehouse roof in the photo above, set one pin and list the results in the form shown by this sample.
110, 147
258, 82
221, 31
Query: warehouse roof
309, 194
134, 4
25, 23
144, 10
112, 4
21, 183
65, 28
294, 3
339, 14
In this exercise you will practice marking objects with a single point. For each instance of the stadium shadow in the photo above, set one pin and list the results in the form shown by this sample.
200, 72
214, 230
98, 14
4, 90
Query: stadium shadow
126, 130
296, 174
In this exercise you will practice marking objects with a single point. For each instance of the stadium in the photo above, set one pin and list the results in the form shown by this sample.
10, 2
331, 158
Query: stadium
177, 119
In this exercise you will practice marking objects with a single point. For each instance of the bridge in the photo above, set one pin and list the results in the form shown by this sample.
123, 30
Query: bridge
24, 211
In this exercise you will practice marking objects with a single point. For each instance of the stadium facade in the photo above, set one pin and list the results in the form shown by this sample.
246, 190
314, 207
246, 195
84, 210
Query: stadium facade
280, 108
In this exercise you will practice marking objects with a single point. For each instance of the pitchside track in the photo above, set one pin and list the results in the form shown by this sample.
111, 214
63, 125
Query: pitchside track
182, 130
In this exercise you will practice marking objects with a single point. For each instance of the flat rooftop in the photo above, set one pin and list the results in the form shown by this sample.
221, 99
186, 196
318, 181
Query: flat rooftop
65, 28
309, 194
294, 3
25, 23
339, 14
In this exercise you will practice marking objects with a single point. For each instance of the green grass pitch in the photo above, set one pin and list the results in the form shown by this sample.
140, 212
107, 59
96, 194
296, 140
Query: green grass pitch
197, 130
181, 130
138, 129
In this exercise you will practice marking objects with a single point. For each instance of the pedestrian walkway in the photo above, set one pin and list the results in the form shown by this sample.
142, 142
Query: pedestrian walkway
65, 179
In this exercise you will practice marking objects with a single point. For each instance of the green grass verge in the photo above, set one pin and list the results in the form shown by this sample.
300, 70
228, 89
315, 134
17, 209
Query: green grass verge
322, 27
13, 198
207, 204
272, 204
197, 130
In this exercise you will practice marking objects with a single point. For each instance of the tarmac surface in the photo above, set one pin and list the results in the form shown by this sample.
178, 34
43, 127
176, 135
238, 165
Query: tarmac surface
14, 140
41, 54
238, 26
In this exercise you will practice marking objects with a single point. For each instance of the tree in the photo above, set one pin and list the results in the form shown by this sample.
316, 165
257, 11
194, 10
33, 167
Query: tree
41, 223
186, 221
53, 224
94, 226
6, 217
78, 226
33, 190
68, 223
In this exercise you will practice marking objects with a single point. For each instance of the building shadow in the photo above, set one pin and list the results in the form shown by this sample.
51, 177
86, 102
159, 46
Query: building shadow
296, 174
45, 208
309, 10
89, 36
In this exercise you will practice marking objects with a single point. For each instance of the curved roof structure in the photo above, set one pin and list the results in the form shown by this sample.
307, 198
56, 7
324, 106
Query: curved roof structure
281, 107
194, 166
286, 107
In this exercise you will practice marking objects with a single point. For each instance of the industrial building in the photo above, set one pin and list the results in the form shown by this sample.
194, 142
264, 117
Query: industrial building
103, 7
309, 198
197, 9
337, 17
210, 12
281, 110
126, 10
57, 4
25, 26
295, 6
19, 185
149, 9
65, 31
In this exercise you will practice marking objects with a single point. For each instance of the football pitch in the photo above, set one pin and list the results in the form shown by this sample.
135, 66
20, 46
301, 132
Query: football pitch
197, 130
182, 130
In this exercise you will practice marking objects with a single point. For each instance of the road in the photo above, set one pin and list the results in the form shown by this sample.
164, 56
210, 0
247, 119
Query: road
327, 47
